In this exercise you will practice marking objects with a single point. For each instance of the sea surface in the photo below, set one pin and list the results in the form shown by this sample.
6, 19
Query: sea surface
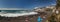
16, 13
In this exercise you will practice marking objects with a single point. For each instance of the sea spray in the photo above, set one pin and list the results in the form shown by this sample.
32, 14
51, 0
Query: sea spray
18, 14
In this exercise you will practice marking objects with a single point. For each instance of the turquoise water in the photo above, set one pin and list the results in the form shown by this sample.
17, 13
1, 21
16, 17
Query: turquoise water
39, 19
14, 11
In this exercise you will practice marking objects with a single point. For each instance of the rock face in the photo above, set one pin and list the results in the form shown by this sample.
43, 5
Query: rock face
14, 19
19, 19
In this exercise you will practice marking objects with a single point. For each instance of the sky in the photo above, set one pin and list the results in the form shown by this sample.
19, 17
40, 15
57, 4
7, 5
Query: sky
26, 4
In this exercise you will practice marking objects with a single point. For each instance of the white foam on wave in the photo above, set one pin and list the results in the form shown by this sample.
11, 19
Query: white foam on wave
17, 14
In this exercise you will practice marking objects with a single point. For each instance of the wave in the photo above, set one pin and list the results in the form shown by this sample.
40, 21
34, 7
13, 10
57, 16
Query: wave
18, 14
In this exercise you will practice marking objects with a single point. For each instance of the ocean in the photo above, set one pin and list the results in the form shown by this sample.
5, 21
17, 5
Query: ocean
16, 13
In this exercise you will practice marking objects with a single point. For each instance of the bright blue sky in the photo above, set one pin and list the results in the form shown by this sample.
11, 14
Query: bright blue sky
27, 4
